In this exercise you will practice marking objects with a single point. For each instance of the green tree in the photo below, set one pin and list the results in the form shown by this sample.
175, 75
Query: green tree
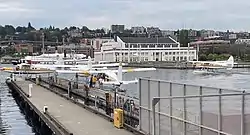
183, 37
2, 31
30, 28
203, 57
9, 29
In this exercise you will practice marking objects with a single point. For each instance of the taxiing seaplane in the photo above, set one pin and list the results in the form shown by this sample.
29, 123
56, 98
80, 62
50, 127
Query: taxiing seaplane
115, 76
207, 67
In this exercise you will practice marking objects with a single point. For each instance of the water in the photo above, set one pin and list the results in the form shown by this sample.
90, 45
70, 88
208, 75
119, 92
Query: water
238, 80
13, 122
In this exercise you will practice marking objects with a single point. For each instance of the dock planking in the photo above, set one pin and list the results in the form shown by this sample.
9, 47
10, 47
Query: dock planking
76, 119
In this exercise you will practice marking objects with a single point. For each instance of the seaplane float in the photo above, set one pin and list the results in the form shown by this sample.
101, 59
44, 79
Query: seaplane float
25, 68
211, 67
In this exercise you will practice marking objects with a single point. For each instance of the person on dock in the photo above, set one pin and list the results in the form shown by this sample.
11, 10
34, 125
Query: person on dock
94, 81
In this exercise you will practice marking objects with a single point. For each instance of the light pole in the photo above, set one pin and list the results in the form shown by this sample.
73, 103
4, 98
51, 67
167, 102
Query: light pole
43, 43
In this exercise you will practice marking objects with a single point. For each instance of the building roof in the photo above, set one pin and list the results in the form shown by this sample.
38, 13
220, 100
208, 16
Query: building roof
147, 40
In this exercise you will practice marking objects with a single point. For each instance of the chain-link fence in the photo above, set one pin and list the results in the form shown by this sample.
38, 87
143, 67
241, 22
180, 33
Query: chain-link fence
183, 109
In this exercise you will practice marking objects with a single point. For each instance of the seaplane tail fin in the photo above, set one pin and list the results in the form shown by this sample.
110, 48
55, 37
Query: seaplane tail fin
89, 63
230, 63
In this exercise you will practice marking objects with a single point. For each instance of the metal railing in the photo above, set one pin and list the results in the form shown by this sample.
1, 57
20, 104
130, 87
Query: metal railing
168, 108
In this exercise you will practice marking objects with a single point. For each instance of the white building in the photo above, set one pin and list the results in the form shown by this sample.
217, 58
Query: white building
97, 42
135, 49
242, 41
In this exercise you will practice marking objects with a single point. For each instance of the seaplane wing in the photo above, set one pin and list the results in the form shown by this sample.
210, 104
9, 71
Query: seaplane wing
119, 83
135, 70
104, 71
108, 65
211, 67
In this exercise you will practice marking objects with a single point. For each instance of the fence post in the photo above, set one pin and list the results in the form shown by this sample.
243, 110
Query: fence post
159, 108
243, 113
76, 85
69, 89
220, 113
139, 88
170, 109
30, 88
185, 110
149, 102
153, 103
201, 121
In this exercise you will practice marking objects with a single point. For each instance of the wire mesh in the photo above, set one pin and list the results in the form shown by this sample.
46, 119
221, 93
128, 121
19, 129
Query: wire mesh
201, 114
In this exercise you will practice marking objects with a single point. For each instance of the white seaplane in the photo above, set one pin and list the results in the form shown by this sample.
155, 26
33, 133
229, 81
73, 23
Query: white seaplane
26, 68
60, 66
115, 76
210, 67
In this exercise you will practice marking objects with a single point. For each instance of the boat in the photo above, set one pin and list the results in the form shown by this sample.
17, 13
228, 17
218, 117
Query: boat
69, 59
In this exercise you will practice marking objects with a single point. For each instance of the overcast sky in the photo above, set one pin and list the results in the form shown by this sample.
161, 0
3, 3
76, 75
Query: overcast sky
166, 14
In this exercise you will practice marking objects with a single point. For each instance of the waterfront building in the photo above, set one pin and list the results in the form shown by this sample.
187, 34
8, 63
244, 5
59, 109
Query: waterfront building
137, 49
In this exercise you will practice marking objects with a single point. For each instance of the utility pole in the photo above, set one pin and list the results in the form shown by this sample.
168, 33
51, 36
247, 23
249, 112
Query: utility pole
43, 50
63, 42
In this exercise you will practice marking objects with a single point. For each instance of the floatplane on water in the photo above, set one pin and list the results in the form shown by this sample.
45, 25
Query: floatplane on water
211, 67
114, 76
27, 68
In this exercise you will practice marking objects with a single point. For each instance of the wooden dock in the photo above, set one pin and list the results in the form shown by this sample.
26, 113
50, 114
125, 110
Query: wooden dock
67, 115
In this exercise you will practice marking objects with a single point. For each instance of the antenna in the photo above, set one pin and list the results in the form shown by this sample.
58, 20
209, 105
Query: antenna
119, 74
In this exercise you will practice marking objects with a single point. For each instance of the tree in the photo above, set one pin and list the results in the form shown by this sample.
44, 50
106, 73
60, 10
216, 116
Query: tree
30, 28
85, 29
203, 57
2, 31
72, 28
19, 29
183, 37
10, 30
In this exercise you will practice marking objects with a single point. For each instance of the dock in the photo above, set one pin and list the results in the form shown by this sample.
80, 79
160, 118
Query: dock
63, 114
175, 65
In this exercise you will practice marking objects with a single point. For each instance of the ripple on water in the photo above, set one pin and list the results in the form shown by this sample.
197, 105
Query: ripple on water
12, 121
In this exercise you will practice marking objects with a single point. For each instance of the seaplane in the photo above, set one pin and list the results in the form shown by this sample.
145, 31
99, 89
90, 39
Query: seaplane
25, 68
114, 76
59, 65
210, 67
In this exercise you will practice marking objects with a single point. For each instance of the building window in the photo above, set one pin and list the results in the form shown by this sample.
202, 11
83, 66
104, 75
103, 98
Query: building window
167, 45
144, 46
166, 53
151, 46
160, 45
134, 45
173, 53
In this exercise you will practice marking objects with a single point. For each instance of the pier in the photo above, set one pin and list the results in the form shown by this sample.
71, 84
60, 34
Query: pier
163, 108
63, 114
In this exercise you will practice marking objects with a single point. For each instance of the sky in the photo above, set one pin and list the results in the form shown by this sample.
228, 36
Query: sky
166, 14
